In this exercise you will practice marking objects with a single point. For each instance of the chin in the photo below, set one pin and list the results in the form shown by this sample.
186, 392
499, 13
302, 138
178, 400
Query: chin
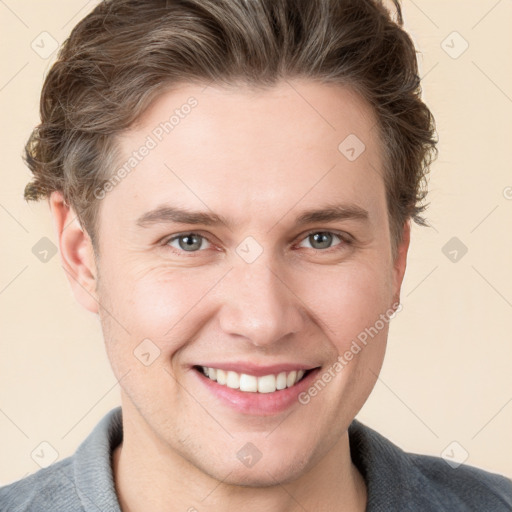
265, 473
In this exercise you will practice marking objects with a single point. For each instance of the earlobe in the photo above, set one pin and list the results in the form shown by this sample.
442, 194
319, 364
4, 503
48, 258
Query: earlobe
76, 252
400, 263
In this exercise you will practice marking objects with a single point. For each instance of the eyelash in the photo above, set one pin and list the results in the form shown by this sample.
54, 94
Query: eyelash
345, 240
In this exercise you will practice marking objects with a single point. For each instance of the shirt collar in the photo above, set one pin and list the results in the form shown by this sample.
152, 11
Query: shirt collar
93, 465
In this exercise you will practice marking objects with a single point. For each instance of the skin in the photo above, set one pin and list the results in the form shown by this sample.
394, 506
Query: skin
258, 158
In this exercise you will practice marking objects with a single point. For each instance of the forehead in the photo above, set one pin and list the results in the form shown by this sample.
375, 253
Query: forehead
296, 144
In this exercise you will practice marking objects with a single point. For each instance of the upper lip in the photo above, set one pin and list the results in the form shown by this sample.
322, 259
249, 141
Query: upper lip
255, 369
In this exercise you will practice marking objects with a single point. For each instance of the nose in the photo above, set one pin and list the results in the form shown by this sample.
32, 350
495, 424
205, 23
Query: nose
259, 305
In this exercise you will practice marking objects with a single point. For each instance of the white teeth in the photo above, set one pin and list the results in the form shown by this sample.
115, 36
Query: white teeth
252, 384
248, 383
267, 384
291, 379
281, 381
221, 377
233, 380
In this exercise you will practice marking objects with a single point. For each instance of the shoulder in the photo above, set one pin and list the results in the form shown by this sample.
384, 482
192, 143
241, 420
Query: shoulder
468, 487
398, 480
51, 488
82, 482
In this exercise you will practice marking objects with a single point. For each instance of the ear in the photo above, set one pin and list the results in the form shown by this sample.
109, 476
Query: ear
76, 252
400, 262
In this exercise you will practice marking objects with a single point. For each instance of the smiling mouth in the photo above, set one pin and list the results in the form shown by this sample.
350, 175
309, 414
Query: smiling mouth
252, 384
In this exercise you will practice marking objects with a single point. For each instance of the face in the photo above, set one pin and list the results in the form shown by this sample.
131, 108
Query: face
248, 244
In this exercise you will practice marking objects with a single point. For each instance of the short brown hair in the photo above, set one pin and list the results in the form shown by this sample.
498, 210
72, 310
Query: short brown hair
126, 52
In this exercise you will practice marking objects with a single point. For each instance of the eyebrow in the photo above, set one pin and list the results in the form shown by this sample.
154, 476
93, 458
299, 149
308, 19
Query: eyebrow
165, 214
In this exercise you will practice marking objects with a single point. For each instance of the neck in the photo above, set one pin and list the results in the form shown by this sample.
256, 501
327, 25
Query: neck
148, 473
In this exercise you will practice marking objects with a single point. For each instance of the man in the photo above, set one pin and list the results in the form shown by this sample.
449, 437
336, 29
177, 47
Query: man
232, 183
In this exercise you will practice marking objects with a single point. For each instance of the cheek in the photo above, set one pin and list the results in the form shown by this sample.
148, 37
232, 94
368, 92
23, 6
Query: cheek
348, 305
348, 299
154, 305
145, 325
162, 299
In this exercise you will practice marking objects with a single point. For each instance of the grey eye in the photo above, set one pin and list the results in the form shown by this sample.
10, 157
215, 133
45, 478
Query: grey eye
321, 239
189, 242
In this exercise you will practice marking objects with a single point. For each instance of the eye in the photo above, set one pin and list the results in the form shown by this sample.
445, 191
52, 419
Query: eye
318, 240
321, 240
189, 242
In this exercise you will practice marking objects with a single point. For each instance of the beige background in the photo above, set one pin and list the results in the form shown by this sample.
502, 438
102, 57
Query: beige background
447, 375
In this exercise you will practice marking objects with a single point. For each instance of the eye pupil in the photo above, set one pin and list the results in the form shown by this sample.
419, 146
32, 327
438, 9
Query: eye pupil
190, 242
324, 239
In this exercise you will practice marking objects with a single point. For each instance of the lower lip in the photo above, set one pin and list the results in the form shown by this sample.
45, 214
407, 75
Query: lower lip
262, 404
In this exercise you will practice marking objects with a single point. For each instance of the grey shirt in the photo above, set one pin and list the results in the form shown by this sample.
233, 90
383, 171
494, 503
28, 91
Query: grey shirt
396, 480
